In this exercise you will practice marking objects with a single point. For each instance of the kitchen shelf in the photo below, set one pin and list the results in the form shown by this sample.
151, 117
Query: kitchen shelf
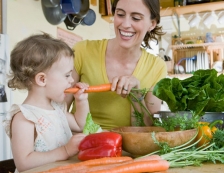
195, 8
214, 50
214, 45
184, 76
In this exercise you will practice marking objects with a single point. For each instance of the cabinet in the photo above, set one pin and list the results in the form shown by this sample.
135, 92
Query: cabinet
211, 6
189, 9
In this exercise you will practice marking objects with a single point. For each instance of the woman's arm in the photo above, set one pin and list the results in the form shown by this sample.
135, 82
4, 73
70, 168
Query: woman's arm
78, 120
152, 102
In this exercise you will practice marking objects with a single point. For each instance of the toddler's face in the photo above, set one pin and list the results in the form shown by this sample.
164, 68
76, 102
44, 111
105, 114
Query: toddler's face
59, 78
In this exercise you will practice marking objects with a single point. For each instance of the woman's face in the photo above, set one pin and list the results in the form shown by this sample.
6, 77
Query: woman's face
131, 22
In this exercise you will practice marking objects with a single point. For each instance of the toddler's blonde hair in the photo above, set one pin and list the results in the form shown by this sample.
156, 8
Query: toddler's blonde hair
32, 55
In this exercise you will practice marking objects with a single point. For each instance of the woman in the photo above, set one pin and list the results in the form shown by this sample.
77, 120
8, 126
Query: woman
122, 61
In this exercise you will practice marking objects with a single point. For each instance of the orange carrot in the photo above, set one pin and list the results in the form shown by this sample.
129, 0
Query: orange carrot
151, 157
93, 162
109, 166
138, 166
94, 168
91, 89
105, 164
66, 169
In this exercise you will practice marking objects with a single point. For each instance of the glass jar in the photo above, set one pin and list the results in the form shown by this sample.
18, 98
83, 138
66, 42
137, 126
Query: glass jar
199, 40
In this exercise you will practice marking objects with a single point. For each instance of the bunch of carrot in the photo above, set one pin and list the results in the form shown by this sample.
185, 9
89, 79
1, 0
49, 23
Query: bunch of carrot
123, 164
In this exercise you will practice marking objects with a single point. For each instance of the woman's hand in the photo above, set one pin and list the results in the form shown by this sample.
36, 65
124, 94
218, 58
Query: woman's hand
123, 84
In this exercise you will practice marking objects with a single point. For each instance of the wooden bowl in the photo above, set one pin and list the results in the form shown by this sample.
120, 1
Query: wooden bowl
138, 140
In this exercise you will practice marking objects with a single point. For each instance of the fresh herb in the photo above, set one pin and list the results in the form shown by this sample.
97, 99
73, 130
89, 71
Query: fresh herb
177, 122
218, 138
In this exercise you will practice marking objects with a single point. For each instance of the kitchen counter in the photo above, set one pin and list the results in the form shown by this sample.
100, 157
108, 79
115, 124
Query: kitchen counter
205, 168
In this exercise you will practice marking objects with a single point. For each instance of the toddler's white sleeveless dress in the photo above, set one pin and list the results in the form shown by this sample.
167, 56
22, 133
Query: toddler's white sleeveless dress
51, 125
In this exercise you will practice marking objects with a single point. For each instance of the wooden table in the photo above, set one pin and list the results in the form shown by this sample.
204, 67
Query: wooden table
205, 168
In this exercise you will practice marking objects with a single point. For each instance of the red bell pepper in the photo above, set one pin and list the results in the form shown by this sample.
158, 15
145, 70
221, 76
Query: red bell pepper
98, 145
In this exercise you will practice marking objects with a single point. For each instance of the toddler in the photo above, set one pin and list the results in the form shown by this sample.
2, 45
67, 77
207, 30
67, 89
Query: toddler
40, 128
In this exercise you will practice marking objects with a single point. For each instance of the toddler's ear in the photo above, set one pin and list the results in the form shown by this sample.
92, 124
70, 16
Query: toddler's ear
40, 79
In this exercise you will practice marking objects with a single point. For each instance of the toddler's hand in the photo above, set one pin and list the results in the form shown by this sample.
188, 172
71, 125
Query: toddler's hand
80, 95
72, 146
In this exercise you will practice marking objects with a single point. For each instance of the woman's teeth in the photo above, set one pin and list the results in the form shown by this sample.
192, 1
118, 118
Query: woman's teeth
126, 34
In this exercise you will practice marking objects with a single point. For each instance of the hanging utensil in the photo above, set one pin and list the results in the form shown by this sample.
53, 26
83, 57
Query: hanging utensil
52, 14
51, 3
70, 6
74, 19
90, 18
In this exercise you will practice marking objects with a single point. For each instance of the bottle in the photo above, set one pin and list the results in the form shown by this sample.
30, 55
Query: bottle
178, 3
199, 40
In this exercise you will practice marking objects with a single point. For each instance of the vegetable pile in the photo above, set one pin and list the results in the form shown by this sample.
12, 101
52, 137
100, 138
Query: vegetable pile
200, 93
161, 160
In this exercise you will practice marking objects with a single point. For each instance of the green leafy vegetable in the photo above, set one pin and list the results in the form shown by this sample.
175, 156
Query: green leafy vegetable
91, 127
200, 93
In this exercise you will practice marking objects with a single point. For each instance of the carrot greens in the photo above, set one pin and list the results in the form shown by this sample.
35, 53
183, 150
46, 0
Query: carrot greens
136, 96
189, 154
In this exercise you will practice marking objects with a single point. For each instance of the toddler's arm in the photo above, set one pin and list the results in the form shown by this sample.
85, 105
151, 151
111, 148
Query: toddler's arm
23, 137
77, 121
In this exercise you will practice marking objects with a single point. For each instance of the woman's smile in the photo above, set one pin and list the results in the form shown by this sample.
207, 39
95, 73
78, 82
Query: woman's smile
127, 34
